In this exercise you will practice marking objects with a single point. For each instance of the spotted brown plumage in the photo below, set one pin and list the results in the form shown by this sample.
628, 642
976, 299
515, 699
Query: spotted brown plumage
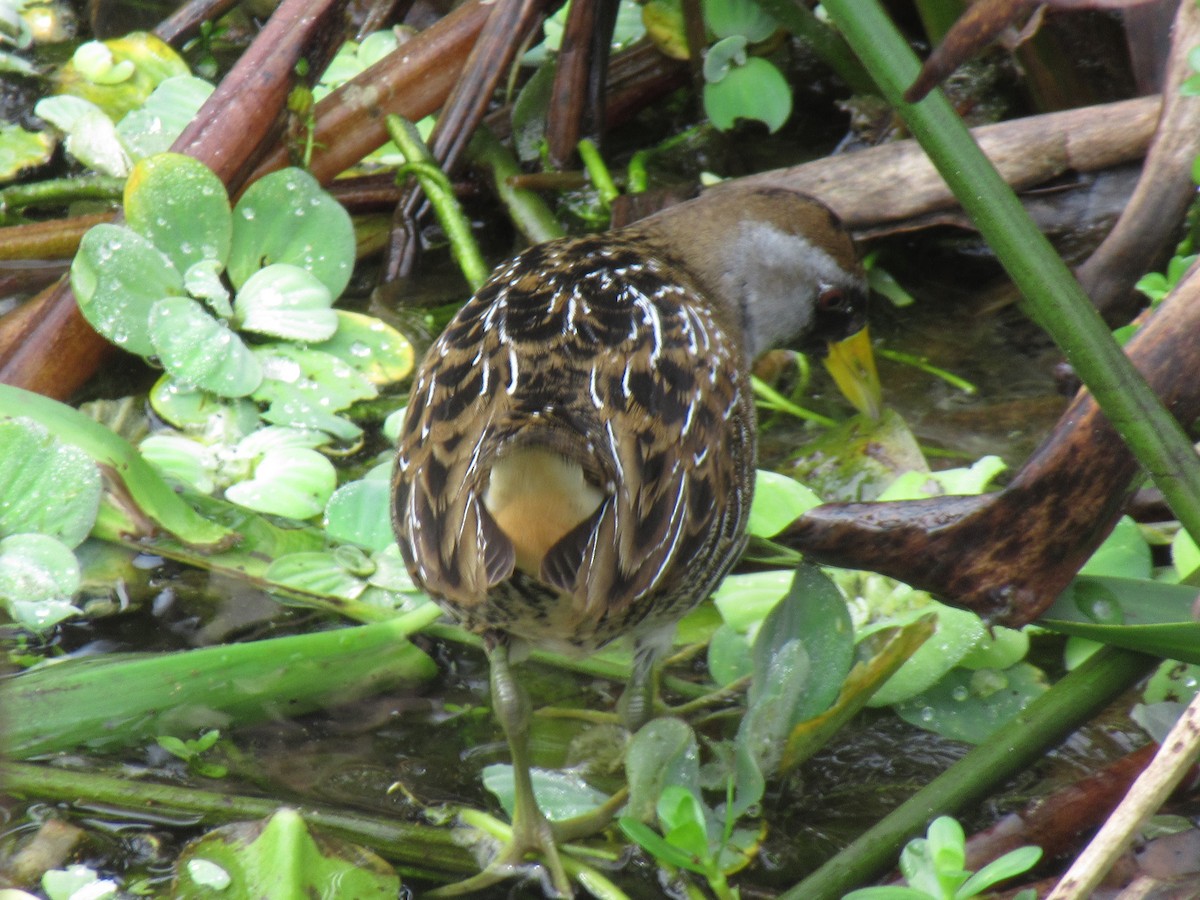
577, 461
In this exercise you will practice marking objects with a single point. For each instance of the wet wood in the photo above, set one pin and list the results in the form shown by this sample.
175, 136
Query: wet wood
577, 97
412, 82
187, 19
1146, 232
46, 346
897, 181
1008, 555
487, 63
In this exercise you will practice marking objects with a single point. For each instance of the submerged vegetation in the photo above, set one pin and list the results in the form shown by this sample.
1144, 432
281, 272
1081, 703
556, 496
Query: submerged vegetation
225, 682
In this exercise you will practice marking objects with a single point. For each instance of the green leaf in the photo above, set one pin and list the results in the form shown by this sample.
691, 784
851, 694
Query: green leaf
201, 412
755, 90
663, 752
739, 17
745, 600
118, 700
168, 110
118, 276
316, 572
729, 656
280, 858
153, 62
971, 705
46, 486
306, 387
91, 136
286, 301
654, 844
1124, 553
181, 459
285, 217
293, 482
199, 350
38, 577
21, 149
560, 794
180, 206
203, 281
1015, 862
1148, 616
145, 487
374, 349
360, 512
778, 501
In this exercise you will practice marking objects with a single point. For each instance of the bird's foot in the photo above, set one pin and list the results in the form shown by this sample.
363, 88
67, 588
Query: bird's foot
534, 838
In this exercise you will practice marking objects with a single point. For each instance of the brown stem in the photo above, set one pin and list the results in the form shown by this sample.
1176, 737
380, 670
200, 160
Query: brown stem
577, 97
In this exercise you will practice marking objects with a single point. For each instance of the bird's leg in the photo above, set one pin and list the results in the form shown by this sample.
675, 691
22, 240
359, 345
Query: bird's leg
531, 832
637, 704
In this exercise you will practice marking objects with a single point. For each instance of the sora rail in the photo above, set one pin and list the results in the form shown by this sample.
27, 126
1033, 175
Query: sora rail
577, 462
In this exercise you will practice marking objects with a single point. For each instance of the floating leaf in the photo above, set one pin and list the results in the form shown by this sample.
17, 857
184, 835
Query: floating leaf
373, 348
203, 281
317, 572
192, 410
663, 752
292, 482
754, 90
91, 136
360, 512
153, 62
306, 387
970, 705
141, 484
167, 112
182, 460
560, 794
739, 17
286, 301
117, 277
197, 349
177, 203
38, 577
285, 217
21, 150
778, 501
46, 486
281, 858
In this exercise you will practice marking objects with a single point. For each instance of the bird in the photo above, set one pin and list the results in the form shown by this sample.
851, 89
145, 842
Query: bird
577, 459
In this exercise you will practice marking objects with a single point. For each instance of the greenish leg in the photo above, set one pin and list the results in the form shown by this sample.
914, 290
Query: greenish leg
531, 832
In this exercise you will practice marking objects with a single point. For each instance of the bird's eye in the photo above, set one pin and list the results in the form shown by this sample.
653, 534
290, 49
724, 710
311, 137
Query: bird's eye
832, 300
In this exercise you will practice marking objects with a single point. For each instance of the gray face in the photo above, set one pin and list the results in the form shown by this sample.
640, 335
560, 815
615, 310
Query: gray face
787, 286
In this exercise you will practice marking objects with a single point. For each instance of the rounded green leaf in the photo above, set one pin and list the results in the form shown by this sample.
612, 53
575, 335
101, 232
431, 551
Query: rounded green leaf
360, 513
38, 577
180, 205
373, 348
739, 17
198, 350
756, 90
181, 459
778, 501
315, 572
286, 301
21, 149
203, 281
304, 388
118, 276
46, 486
194, 410
290, 482
153, 62
167, 111
285, 217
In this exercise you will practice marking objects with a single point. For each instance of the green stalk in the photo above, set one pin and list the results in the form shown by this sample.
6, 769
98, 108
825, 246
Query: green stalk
1015, 746
440, 192
59, 192
598, 172
533, 218
418, 850
1058, 302
121, 699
